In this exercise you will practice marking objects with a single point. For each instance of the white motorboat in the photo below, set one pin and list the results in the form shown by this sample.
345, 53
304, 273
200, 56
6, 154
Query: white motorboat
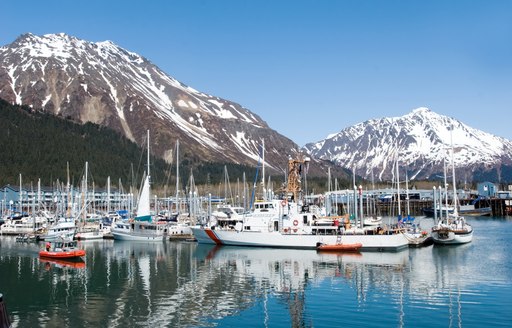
64, 228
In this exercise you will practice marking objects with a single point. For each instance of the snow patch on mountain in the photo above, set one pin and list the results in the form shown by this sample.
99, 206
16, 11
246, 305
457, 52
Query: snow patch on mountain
103, 83
421, 140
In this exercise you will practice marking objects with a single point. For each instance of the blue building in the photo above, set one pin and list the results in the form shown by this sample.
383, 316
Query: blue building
486, 189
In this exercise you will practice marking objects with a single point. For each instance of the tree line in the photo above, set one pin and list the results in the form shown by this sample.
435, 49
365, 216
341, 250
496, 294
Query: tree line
39, 145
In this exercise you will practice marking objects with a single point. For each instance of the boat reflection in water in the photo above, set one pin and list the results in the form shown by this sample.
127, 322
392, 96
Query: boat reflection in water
426, 287
183, 284
75, 264
290, 277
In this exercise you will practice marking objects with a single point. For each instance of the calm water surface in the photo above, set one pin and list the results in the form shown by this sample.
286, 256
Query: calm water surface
182, 284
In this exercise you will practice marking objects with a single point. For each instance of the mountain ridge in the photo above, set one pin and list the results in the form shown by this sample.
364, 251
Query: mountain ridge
105, 84
102, 83
420, 139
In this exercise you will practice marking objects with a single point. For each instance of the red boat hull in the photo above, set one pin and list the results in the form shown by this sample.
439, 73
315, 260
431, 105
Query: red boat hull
63, 254
340, 247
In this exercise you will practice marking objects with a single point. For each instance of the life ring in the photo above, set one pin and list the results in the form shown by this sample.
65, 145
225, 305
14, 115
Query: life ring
295, 222
295, 230
284, 202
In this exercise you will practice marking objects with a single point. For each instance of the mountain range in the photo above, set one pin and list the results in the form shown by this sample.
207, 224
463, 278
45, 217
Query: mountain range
105, 84
421, 142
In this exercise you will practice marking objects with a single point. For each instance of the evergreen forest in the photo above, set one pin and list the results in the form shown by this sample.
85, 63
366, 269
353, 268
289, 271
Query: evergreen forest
41, 146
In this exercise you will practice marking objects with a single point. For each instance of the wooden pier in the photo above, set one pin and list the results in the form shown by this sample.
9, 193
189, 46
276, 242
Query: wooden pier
499, 206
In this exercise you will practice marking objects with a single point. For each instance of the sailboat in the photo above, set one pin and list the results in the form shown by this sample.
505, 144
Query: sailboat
89, 227
453, 228
416, 236
142, 227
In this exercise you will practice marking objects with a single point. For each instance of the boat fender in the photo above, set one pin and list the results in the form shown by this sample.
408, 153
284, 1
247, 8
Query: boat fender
295, 222
284, 202
285, 230
295, 230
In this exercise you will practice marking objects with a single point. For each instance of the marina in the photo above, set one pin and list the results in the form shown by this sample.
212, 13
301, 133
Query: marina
255, 164
186, 284
276, 263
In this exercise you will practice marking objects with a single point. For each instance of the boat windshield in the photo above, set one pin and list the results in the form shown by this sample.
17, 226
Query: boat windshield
62, 244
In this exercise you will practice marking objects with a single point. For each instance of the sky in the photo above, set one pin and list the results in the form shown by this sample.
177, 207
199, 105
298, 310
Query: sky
309, 68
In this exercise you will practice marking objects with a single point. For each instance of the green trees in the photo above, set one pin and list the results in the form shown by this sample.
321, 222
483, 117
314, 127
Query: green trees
39, 146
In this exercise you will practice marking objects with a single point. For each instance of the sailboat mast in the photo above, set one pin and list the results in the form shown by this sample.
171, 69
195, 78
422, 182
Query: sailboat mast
445, 191
68, 192
244, 192
39, 194
177, 172
407, 193
21, 198
108, 194
455, 212
398, 186
355, 201
263, 168
149, 175
85, 193
148, 155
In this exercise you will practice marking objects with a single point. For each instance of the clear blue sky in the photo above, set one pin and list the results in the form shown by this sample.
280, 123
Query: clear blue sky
309, 68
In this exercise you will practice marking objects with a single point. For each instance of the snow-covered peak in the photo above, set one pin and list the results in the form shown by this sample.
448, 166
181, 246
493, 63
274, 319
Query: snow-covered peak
421, 139
103, 83
421, 111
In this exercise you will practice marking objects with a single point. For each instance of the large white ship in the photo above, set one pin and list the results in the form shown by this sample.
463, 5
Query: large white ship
286, 223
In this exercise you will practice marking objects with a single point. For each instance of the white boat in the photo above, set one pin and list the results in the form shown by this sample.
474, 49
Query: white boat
92, 231
452, 228
283, 223
134, 230
372, 221
25, 225
64, 228
417, 237
300, 236
143, 227
176, 229
227, 215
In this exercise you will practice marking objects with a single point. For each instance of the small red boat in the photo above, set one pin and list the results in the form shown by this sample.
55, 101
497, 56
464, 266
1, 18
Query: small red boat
339, 247
62, 250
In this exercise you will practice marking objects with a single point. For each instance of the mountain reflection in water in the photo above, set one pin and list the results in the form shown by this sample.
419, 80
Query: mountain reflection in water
182, 284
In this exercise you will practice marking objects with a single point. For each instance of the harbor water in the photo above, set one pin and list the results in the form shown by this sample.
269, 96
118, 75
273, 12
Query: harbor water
184, 284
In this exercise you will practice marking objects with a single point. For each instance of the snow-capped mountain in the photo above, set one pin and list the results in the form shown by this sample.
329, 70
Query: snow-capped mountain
421, 140
110, 86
